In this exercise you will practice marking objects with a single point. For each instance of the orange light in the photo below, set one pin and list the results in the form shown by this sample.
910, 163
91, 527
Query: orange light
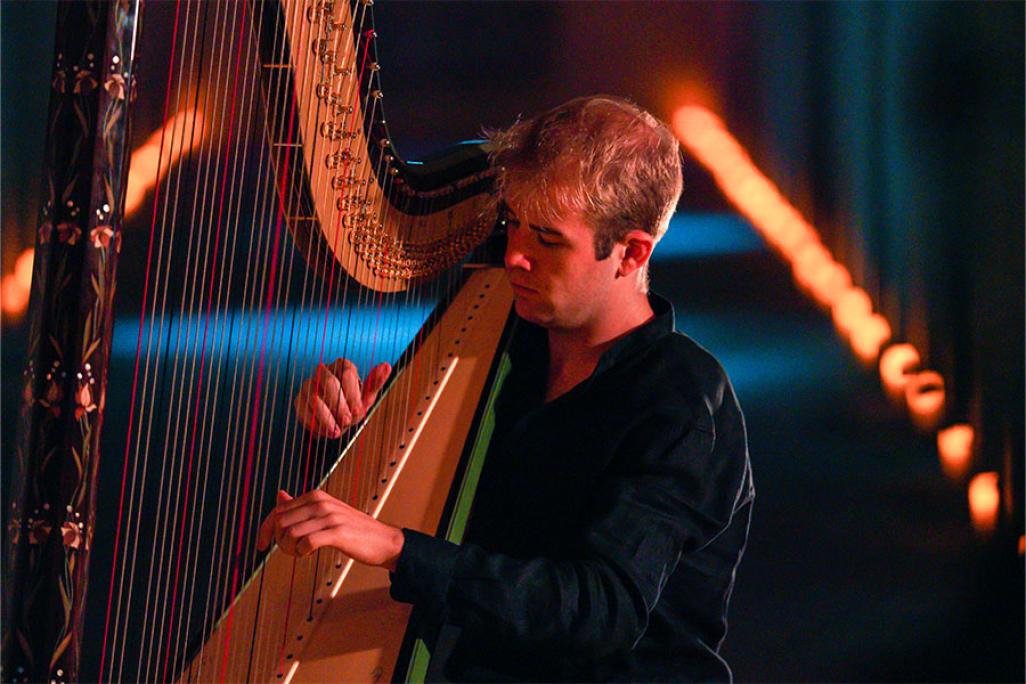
794, 232
868, 334
1022, 544
691, 89
984, 501
17, 285
829, 282
897, 364
146, 168
808, 260
851, 307
955, 447
23, 268
14, 297
924, 395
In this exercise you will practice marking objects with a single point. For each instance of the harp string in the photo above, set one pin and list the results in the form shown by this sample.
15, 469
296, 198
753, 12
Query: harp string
286, 166
211, 398
135, 373
328, 302
158, 578
241, 386
314, 173
219, 226
196, 377
202, 322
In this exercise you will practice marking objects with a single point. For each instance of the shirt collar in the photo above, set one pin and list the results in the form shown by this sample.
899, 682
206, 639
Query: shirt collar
661, 324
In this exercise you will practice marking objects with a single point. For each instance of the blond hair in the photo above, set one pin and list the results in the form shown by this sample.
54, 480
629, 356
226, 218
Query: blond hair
600, 157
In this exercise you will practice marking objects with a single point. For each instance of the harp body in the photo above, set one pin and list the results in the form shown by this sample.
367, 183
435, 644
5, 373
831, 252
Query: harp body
361, 219
349, 630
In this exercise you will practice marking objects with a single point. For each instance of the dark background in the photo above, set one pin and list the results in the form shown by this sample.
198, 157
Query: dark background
897, 129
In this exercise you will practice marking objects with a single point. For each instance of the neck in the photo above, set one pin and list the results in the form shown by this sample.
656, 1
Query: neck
574, 352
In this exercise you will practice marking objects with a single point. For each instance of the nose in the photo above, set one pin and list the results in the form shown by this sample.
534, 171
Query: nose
516, 256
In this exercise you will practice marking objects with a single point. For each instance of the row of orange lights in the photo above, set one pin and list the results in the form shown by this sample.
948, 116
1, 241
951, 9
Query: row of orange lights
830, 284
145, 170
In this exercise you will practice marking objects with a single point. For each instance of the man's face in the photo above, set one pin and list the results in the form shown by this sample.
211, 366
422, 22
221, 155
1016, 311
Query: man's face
557, 282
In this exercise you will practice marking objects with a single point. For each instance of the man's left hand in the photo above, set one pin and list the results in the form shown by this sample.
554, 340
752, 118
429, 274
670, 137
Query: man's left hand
316, 519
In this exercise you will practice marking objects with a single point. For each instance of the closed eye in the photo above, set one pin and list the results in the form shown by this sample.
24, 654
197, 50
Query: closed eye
539, 231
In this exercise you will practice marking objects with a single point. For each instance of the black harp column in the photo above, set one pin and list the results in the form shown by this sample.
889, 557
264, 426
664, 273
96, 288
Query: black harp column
50, 523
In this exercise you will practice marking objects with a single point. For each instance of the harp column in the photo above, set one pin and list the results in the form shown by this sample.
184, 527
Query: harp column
79, 235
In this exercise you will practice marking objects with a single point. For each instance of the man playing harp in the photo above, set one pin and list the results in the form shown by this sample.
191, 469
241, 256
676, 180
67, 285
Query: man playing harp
614, 505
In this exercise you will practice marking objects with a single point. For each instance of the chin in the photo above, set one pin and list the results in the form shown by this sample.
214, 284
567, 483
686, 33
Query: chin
531, 314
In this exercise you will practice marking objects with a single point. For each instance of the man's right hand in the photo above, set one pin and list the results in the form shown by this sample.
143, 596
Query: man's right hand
334, 398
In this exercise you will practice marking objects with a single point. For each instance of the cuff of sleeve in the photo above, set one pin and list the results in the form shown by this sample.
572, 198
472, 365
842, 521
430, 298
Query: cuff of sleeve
424, 571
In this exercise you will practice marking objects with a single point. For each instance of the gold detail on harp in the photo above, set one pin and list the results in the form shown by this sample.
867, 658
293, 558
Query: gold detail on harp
342, 182
353, 202
324, 50
332, 130
392, 258
320, 10
333, 160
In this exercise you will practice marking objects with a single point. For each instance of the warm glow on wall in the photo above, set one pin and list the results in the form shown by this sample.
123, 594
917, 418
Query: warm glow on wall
819, 275
984, 501
783, 227
851, 307
14, 288
924, 395
897, 365
146, 168
955, 446
868, 334
829, 282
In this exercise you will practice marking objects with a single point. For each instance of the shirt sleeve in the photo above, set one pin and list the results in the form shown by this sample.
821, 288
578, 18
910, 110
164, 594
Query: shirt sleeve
660, 497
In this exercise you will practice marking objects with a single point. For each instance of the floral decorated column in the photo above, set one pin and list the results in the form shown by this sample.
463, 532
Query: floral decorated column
50, 523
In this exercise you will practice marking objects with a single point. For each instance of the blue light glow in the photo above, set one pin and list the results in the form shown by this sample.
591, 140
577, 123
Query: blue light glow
291, 335
703, 235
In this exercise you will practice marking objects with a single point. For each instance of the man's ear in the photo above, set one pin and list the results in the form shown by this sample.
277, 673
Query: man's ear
638, 247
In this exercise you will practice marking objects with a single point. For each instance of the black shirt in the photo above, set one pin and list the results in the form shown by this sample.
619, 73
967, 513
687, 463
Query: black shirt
607, 527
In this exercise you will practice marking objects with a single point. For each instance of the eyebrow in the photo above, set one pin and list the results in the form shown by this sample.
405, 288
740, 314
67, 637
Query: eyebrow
548, 230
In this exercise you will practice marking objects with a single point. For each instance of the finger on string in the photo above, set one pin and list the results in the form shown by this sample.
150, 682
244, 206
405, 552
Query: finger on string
311, 497
329, 389
316, 540
297, 522
303, 412
297, 514
375, 381
351, 389
322, 422
349, 375
266, 531
265, 534
309, 526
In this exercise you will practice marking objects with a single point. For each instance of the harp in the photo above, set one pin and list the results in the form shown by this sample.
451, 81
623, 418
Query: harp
289, 232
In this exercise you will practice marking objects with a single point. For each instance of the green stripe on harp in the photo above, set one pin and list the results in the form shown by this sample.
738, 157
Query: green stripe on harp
420, 658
